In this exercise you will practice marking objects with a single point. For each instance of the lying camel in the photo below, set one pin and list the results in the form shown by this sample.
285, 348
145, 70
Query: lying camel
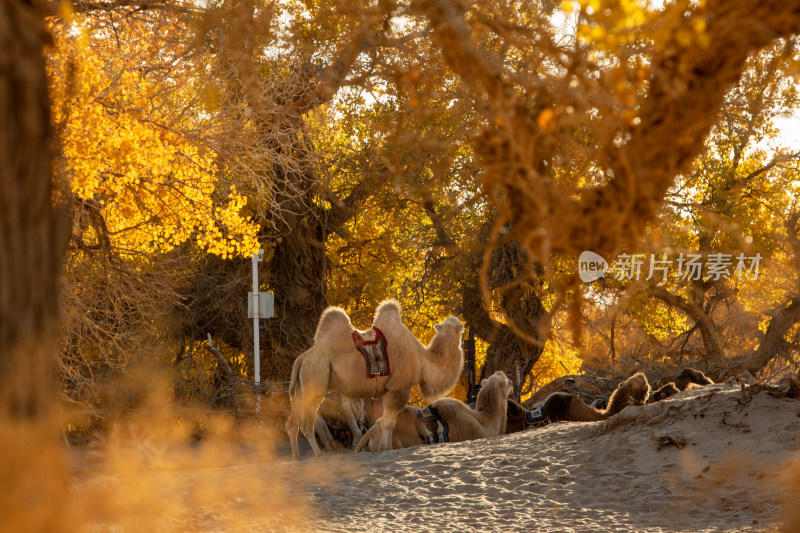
664, 392
563, 406
685, 379
337, 361
454, 421
690, 375
515, 416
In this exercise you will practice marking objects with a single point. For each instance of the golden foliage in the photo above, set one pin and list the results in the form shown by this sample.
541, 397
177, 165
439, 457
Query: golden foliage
130, 128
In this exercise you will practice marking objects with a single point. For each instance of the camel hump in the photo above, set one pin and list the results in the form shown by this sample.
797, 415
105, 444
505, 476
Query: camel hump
632, 391
333, 320
558, 404
639, 384
690, 375
388, 309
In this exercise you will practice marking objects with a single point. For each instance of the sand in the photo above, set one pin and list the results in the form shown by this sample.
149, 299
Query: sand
707, 459
703, 460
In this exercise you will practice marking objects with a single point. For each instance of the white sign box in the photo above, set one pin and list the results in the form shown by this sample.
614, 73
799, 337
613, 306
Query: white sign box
264, 307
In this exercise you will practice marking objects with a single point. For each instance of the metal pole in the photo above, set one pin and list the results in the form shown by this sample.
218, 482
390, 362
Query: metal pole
256, 336
471, 393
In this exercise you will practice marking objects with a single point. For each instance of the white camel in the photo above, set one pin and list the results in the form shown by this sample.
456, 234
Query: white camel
462, 423
334, 363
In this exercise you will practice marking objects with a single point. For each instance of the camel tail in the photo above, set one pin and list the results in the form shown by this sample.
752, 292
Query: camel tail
294, 384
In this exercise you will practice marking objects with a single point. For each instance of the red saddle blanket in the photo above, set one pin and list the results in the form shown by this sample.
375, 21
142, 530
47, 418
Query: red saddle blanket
372, 345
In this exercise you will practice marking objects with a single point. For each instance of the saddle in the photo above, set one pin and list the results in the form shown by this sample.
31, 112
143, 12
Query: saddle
372, 345
536, 418
432, 429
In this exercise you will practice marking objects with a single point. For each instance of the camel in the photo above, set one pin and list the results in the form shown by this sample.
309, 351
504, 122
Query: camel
663, 393
339, 409
460, 421
690, 375
515, 416
563, 406
334, 363
686, 379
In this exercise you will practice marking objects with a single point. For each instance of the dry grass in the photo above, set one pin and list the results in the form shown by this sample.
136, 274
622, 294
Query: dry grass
158, 467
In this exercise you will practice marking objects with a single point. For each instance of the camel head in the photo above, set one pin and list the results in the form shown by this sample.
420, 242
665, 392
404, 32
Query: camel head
450, 325
639, 388
443, 360
501, 382
491, 400
632, 391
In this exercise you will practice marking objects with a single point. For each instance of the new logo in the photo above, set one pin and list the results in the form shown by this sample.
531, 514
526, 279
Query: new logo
591, 266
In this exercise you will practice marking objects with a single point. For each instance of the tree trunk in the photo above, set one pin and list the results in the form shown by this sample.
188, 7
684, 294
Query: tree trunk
772, 344
32, 240
507, 351
296, 274
298, 269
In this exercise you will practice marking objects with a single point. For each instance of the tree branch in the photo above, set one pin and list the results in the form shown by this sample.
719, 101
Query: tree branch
684, 95
696, 312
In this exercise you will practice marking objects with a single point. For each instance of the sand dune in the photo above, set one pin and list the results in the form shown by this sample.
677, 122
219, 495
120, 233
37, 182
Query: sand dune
703, 460
706, 460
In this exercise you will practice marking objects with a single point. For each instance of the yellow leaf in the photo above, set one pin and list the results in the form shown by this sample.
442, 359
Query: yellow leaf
545, 119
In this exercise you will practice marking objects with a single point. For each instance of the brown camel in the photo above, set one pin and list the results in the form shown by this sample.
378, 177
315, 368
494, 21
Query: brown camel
520, 418
458, 421
515, 416
690, 375
685, 379
334, 363
663, 393
563, 406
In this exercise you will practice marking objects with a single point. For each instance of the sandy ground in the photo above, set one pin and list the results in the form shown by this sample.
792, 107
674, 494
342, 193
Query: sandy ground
700, 461
704, 460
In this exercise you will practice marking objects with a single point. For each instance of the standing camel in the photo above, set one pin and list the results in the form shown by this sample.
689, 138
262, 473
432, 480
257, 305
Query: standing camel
460, 421
335, 363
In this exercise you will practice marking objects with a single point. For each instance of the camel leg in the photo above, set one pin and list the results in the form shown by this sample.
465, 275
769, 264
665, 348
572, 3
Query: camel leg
393, 402
347, 407
314, 375
369, 438
293, 426
312, 384
303, 416
324, 433
310, 405
307, 429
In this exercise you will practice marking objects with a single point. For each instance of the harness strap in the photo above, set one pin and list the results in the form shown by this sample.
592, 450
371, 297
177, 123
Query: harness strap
431, 428
374, 348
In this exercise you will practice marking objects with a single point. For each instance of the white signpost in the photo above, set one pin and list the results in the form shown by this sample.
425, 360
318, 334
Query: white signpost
259, 305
